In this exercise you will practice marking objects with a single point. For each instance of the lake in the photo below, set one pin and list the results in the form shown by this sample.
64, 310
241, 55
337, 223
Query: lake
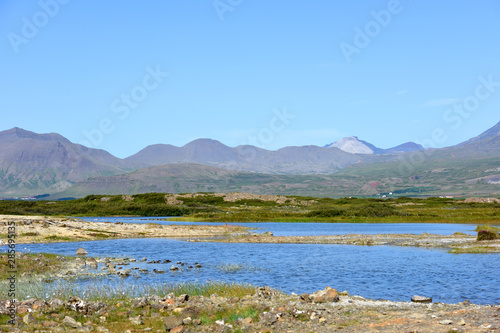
376, 272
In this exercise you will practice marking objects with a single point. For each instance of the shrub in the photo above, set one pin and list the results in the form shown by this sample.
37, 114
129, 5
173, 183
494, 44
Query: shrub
487, 235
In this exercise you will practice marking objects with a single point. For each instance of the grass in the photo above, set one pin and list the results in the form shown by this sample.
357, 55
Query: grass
108, 292
119, 299
474, 249
58, 238
230, 315
487, 227
208, 207
34, 264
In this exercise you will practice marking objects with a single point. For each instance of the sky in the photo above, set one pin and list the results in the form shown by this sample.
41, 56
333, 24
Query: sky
122, 75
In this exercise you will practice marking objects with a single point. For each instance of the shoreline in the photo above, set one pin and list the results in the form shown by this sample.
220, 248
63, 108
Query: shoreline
39, 229
257, 309
457, 243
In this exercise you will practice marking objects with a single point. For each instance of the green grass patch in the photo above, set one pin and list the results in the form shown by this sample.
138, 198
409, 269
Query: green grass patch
34, 264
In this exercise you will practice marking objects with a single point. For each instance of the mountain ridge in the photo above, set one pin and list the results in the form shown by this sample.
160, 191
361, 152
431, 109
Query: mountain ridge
32, 163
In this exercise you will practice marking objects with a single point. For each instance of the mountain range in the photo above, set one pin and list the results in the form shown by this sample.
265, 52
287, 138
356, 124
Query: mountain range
32, 164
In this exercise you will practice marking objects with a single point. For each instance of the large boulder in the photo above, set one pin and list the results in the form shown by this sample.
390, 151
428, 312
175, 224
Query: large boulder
421, 299
325, 296
172, 322
81, 252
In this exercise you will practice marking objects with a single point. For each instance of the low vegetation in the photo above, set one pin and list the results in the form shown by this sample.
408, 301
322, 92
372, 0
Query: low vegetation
29, 264
214, 207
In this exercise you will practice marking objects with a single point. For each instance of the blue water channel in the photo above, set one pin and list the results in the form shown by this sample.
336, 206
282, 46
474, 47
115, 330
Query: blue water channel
376, 272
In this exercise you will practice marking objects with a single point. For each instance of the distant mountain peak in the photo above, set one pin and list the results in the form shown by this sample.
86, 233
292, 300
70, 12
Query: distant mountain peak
353, 145
19, 133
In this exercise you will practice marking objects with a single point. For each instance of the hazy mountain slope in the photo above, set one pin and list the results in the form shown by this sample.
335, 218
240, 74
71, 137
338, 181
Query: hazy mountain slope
288, 160
404, 148
488, 137
33, 163
183, 178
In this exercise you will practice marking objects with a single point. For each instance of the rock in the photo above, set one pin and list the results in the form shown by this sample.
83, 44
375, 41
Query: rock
268, 318
187, 321
71, 322
55, 303
137, 320
81, 252
97, 307
178, 329
265, 292
174, 268
76, 304
326, 295
125, 272
445, 322
247, 321
29, 319
172, 322
140, 302
461, 322
182, 298
196, 322
421, 299
92, 263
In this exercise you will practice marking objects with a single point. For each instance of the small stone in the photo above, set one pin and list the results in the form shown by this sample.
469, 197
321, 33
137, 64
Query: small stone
445, 322
421, 299
71, 322
92, 263
461, 322
178, 310
247, 321
102, 319
322, 320
125, 272
172, 322
197, 322
137, 320
29, 319
187, 321
81, 252
178, 329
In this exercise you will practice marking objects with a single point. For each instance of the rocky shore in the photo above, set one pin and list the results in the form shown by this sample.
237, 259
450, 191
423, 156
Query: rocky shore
39, 229
458, 242
264, 311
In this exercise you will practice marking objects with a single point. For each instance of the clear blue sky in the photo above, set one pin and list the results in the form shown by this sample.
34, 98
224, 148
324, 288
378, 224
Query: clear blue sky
80, 67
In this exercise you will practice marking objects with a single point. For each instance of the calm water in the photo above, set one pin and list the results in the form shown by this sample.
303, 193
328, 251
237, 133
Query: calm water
319, 229
377, 272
